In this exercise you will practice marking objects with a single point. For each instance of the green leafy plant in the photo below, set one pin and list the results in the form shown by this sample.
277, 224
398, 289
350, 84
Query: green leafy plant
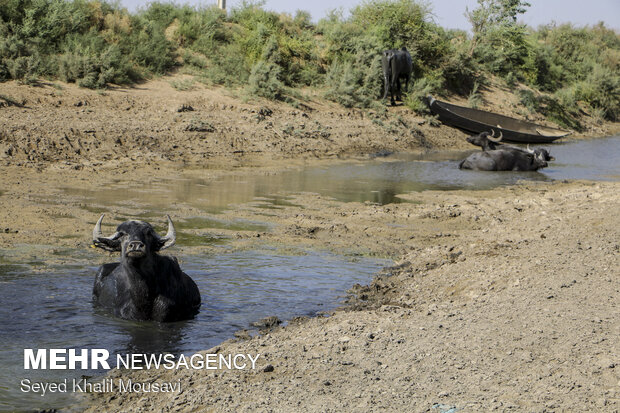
474, 99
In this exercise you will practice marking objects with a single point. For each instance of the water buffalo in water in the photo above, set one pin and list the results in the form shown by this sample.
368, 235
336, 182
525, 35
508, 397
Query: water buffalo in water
143, 285
486, 141
489, 142
396, 64
507, 160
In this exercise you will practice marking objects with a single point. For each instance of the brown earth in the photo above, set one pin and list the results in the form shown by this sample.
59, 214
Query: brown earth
502, 299
154, 124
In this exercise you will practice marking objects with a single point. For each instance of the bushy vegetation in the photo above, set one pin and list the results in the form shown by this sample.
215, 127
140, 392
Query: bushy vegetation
88, 42
570, 65
353, 46
561, 70
579, 65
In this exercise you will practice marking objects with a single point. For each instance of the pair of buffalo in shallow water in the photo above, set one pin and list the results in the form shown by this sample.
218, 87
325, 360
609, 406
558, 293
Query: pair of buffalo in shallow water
500, 157
147, 286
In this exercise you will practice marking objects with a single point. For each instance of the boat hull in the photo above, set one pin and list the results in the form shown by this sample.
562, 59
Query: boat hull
476, 121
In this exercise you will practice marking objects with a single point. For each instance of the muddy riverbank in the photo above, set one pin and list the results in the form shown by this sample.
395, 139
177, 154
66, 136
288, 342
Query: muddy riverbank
498, 299
503, 299
153, 125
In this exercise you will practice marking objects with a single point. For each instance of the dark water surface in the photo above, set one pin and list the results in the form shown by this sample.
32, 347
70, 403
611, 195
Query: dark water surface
48, 305
42, 307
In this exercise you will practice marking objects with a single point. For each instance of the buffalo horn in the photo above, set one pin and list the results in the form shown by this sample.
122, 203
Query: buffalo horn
171, 236
528, 149
97, 231
492, 137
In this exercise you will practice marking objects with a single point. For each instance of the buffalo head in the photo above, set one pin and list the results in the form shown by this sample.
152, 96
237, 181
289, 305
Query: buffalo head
541, 153
541, 157
134, 239
486, 141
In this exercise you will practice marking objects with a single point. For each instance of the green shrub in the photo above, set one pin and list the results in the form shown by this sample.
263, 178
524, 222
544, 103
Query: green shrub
91, 62
345, 86
356, 83
150, 49
96, 43
416, 100
163, 14
264, 81
583, 63
397, 23
203, 30
549, 73
474, 99
601, 90
265, 77
501, 44
460, 70
353, 49
23, 67
87, 42
552, 107
228, 67
504, 50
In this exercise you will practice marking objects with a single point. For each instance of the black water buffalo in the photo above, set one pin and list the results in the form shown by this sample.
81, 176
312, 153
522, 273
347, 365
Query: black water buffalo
489, 142
143, 285
542, 153
486, 141
396, 64
506, 160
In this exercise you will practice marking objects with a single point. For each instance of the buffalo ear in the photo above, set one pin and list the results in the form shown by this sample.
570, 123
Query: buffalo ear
108, 244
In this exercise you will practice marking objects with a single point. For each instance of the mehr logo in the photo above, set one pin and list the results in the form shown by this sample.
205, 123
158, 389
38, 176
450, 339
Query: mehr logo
62, 359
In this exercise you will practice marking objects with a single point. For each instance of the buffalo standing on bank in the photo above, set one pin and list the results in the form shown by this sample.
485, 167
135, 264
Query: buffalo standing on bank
396, 64
143, 285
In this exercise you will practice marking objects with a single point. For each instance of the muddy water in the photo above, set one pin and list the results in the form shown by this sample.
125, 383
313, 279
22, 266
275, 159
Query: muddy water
44, 304
378, 180
50, 307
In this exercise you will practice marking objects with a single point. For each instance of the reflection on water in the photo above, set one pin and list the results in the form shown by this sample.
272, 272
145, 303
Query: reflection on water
53, 309
377, 180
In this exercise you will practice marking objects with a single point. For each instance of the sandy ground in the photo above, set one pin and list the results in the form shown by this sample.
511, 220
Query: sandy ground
498, 300
154, 123
502, 300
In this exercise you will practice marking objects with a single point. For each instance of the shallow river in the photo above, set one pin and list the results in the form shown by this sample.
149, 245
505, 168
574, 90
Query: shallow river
47, 305
379, 180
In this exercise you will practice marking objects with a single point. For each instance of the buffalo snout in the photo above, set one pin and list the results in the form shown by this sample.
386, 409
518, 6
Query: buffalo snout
135, 249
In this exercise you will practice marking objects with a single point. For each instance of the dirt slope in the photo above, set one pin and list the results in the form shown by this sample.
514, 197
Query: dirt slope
503, 300
153, 123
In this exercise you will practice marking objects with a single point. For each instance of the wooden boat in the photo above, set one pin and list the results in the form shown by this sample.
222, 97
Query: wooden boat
476, 121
